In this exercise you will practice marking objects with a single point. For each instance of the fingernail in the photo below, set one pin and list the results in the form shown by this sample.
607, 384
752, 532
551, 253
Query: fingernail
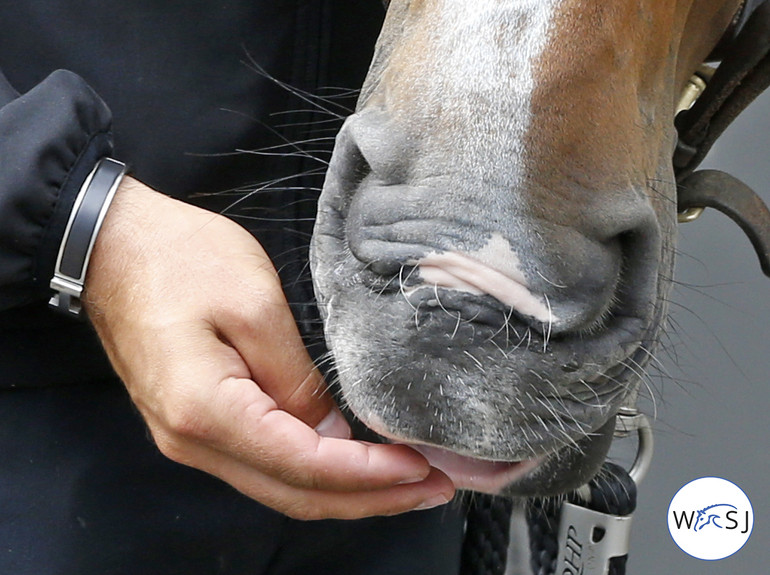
410, 480
432, 502
334, 425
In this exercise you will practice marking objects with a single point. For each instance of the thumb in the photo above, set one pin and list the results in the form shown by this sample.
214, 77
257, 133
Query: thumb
268, 341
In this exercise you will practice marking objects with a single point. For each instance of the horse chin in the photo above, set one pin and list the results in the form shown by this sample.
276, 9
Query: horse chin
551, 474
565, 469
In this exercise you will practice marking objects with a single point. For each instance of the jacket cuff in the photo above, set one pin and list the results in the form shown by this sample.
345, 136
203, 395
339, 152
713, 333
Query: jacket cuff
50, 140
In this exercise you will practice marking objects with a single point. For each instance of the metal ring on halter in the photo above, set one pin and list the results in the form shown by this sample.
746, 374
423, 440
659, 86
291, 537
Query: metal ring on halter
628, 421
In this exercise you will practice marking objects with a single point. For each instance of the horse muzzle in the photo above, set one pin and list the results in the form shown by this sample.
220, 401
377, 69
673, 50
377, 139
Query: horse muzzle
463, 316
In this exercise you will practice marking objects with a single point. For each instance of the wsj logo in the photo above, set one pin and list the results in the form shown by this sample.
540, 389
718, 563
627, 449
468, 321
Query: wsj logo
710, 518
719, 515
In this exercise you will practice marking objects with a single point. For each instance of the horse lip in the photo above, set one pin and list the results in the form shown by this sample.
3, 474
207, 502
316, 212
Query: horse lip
477, 308
468, 272
469, 473
466, 472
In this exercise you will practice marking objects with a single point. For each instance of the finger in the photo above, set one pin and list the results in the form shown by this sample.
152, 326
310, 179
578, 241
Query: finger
247, 423
334, 425
206, 397
269, 343
308, 504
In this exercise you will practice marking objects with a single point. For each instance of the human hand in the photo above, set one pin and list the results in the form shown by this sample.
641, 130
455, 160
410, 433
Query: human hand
192, 315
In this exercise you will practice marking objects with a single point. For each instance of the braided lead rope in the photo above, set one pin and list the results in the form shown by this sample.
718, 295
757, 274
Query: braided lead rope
597, 515
487, 534
613, 492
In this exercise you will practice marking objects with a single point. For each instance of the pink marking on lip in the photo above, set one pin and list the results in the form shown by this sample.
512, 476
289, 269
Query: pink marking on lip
454, 270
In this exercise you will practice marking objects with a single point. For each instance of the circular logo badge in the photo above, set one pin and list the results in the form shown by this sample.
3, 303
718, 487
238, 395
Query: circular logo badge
710, 518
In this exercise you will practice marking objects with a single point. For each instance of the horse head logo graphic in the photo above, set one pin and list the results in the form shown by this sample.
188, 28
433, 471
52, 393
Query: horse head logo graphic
711, 515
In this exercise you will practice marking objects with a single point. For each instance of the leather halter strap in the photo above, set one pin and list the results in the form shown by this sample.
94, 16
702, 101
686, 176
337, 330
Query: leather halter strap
729, 195
743, 74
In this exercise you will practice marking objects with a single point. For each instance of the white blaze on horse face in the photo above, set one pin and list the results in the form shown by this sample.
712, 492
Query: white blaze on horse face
485, 25
487, 50
460, 76
492, 270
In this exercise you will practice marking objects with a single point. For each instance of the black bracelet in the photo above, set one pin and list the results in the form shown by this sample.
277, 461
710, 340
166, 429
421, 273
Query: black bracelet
87, 215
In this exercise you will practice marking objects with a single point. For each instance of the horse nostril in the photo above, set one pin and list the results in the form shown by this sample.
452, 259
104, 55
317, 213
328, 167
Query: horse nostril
385, 267
369, 206
381, 145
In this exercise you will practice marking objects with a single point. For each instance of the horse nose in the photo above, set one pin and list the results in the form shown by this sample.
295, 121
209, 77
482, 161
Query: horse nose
385, 218
448, 228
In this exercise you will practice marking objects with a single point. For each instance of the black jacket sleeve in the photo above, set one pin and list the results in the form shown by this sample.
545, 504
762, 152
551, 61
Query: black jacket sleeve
50, 139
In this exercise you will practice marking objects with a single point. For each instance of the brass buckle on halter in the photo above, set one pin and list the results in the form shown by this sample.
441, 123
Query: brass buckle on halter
692, 91
714, 189
689, 215
718, 190
695, 87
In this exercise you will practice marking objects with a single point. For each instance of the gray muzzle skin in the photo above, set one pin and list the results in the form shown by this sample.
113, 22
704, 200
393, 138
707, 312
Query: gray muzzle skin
439, 363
